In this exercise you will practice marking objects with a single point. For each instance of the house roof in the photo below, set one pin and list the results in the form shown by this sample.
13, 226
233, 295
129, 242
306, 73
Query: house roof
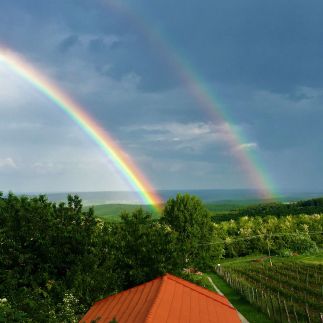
164, 299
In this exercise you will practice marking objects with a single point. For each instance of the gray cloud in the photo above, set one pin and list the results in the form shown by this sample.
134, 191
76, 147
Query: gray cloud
263, 62
247, 146
7, 162
191, 138
68, 42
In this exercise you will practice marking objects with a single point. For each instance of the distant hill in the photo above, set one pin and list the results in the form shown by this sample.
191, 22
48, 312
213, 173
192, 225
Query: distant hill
209, 196
225, 210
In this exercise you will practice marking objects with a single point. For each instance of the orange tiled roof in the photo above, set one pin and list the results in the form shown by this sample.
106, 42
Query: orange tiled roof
164, 299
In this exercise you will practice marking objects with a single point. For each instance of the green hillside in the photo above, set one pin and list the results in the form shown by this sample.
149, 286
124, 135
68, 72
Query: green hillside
112, 212
223, 210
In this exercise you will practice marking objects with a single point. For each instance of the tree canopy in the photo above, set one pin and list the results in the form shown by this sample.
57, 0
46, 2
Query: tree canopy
190, 220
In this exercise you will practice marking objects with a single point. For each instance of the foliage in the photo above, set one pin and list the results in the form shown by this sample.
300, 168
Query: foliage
277, 235
46, 251
10, 314
191, 222
144, 248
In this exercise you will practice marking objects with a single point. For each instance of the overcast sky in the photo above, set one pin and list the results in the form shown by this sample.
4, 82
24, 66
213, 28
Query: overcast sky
262, 60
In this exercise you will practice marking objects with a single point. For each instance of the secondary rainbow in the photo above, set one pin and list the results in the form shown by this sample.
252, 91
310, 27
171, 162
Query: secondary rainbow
203, 96
76, 112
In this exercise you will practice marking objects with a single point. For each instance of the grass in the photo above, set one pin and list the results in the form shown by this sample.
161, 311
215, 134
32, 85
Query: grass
251, 313
239, 259
315, 258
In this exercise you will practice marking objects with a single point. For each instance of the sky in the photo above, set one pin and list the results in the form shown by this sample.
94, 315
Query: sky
261, 61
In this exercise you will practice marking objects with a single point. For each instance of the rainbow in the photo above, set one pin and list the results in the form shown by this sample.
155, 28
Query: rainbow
76, 112
203, 96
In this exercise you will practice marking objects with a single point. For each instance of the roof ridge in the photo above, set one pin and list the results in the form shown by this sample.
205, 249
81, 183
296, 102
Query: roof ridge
198, 289
194, 286
158, 295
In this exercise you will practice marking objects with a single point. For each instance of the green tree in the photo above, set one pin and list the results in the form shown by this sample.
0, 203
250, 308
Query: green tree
143, 248
48, 250
188, 218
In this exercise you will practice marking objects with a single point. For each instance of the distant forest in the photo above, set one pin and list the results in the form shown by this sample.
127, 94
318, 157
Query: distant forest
57, 259
312, 206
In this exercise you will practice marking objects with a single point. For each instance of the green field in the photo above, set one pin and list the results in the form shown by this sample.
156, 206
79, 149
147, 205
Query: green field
289, 290
112, 212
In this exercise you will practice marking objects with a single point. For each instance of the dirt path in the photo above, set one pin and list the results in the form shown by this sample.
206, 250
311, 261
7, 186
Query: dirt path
242, 318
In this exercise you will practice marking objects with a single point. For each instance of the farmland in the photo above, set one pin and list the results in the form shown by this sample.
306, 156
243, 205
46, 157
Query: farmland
285, 289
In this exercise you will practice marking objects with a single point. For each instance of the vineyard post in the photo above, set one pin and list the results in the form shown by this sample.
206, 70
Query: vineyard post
257, 296
271, 264
295, 314
272, 306
240, 287
286, 310
308, 314
268, 311
249, 295
297, 273
280, 309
